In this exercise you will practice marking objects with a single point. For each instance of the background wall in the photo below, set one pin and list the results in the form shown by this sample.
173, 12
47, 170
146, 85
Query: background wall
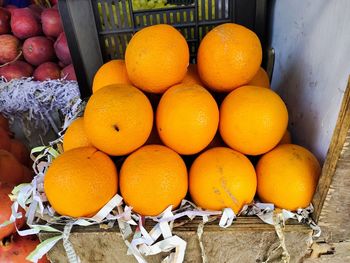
312, 64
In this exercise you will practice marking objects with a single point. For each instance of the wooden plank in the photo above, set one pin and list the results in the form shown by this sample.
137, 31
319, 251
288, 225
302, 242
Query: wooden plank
243, 242
334, 151
334, 219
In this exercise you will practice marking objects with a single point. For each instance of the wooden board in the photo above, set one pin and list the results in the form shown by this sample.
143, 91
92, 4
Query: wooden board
334, 217
331, 163
248, 240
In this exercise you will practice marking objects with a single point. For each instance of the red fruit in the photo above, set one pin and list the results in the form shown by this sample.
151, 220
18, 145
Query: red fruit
54, 2
62, 50
9, 48
10, 8
52, 24
20, 152
47, 70
36, 10
60, 63
4, 123
68, 73
24, 24
5, 143
12, 171
16, 70
5, 213
4, 21
19, 248
37, 50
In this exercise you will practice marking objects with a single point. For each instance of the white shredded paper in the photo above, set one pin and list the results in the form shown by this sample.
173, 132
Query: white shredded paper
34, 103
140, 242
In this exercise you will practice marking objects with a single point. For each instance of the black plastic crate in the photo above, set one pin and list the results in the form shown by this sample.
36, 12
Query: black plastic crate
99, 30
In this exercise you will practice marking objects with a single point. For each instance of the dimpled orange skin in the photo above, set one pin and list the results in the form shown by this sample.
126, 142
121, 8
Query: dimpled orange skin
192, 76
252, 120
228, 57
157, 58
118, 119
112, 72
261, 79
187, 118
221, 178
287, 176
80, 182
153, 178
75, 135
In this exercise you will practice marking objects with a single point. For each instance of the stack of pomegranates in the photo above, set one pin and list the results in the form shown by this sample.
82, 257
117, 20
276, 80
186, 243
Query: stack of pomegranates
14, 169
32, 43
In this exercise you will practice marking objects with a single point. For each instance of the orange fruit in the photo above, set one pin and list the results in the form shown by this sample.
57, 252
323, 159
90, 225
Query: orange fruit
192, 76
157, 58
112, 72
187, 118
252, 120
286, 139
153, 178
221, 178
260, 79
75, 135
229, 56
287, 176
80, 182
118, 119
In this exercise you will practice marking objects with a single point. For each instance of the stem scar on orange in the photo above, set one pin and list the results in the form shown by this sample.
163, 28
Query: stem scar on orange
118, 119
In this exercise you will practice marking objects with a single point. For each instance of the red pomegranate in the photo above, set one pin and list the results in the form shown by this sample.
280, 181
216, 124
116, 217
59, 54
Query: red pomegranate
18, 249
5, 212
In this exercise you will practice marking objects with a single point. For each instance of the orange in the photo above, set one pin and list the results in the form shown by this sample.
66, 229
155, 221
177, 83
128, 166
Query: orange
153, 178
112, 72
118, 119
192, 76
286, 139
252, 120
229, 56
157, 58
260, 79
221, 178
75, 135
187, 118
287, 176
80, 182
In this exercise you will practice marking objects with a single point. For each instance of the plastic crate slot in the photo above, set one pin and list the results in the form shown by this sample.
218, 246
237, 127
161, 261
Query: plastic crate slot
117, 20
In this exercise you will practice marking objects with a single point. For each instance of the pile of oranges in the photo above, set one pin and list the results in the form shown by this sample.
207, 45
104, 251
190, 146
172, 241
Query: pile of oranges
182, 130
